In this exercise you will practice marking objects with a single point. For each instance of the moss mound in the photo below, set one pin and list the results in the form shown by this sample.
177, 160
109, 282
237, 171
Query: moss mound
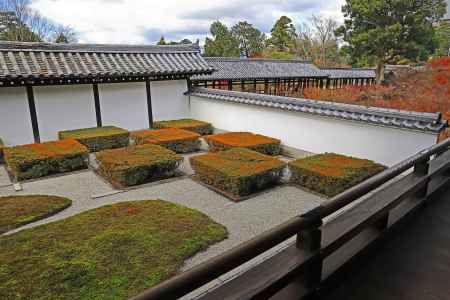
112, 252
16, 211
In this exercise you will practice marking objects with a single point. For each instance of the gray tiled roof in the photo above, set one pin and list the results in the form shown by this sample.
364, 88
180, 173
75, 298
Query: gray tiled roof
248, 68
431, 122
20, 60
335, 73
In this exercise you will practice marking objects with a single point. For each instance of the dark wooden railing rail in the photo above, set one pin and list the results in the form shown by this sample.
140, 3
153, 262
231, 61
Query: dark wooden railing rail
299, 269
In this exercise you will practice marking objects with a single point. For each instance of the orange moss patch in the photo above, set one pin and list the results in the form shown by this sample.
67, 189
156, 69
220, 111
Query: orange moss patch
238, 171
256, 142
177, 140
200, 127
37, 160
137, 164
331, 174
98, 138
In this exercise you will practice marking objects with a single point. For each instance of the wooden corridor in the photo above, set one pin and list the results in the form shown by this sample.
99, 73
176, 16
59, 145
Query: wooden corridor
412, 263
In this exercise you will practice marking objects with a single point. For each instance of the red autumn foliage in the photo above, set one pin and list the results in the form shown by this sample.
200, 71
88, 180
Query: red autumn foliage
423, 90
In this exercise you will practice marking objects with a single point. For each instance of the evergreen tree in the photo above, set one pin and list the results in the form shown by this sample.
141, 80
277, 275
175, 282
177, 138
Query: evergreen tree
223, 43
161, 41
251, 40
283, 35
390, 30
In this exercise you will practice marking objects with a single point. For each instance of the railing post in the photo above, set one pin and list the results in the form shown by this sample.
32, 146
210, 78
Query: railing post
310, 240
421, 168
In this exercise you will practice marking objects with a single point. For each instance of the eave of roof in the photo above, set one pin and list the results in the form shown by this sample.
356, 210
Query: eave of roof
260, 68
353, 73
23, 62
418, 121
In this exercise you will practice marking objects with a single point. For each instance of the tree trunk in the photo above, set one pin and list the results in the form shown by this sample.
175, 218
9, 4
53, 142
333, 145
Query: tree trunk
380, 71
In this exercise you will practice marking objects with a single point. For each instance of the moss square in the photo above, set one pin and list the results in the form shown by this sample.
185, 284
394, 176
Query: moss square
238, 171
177, 140
137, 164
200, 127
255, 142
38, 160
98, 138
330, 174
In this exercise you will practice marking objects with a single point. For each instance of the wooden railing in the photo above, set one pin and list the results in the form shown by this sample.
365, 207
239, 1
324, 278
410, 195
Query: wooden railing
327, 237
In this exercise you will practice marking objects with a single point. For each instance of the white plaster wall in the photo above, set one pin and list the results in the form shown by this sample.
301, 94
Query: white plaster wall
124, 105
168, 100
314, 133
15, 121
63, 108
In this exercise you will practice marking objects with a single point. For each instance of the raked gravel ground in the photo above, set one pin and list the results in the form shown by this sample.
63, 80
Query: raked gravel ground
243, 220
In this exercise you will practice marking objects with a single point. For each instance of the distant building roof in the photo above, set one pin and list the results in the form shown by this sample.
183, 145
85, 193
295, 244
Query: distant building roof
257, 68
430, 122
335, 73
21, 61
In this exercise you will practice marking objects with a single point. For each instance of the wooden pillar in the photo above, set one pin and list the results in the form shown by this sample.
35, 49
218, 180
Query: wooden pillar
254, 86
98, 112
149, 103
242, 85
230, 85
266, 86
33, 115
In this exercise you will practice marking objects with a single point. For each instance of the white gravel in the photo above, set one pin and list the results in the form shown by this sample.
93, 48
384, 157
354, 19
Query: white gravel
243, 220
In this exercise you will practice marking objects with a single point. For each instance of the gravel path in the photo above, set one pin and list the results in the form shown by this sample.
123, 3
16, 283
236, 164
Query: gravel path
243, 220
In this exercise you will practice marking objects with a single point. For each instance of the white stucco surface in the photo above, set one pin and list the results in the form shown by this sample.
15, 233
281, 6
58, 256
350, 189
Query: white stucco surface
63, 108
168, 100
314, 133
124, 105
15, 121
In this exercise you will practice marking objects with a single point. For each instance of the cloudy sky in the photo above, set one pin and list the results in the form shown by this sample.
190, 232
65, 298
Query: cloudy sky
144, 21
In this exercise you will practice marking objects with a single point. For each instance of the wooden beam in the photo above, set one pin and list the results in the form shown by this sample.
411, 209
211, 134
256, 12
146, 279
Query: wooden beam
33, 115
98, 112
149, 103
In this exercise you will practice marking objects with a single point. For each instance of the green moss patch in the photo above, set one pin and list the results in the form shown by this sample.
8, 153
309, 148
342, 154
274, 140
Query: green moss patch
238, 171
255, 142
331, 174
200, 127
98, 138
112, 252
16, 211
137, 164
39, 160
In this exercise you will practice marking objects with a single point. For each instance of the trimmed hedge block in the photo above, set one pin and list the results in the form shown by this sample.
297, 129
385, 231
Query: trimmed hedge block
331, 174
177, 140
98, 138
238, 171
255, 142
38, 160
200, 127
137, 164
2, 147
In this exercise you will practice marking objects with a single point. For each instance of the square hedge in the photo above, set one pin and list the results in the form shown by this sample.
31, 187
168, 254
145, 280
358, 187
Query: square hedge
200, 127
98, 138
137, 164
177, 140
38, 160
255, 142
238, 171
331, 174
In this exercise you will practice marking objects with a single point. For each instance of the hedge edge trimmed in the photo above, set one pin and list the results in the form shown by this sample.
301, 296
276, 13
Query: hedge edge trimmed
238, 171
255, 142
39, 160
200, 127
177, 140
137, 164
330, 174
98, 138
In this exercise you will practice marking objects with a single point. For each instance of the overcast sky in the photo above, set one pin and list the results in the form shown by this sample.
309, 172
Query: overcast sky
144, 21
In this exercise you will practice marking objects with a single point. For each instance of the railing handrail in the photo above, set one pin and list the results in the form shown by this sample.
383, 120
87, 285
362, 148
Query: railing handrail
203, 273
